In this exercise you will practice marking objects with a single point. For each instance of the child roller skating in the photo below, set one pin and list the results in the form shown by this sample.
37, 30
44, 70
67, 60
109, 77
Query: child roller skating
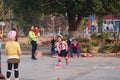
62, 48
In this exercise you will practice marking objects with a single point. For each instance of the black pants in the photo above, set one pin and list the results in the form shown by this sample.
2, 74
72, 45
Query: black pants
63, 53
34, 48
16, 71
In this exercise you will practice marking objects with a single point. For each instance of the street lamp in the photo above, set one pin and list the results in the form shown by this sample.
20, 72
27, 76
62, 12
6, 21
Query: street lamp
1, 75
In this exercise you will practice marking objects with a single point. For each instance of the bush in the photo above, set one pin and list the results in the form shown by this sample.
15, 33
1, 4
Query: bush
117, 47
105, 35
84, 45
94, 35
108, 46
82, 40
94, 44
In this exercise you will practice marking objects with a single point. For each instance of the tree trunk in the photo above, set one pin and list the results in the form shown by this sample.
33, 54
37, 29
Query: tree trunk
74, 22
73, 34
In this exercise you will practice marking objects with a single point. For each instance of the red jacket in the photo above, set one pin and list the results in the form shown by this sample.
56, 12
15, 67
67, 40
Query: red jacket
77, 46
36, 31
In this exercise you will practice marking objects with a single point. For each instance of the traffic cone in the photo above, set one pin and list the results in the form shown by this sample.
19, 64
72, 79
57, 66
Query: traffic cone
84, 70
94, 67
118, 66
75, 73
58, 78
38, 53
50, 56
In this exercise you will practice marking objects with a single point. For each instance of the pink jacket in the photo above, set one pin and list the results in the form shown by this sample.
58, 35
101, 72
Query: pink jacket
62, 46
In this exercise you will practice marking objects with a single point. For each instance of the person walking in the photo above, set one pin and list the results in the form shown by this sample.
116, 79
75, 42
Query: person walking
62, 48
33, 42
13, 51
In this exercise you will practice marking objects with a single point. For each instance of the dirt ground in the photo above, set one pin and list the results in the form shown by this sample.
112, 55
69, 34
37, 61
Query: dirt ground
41, 38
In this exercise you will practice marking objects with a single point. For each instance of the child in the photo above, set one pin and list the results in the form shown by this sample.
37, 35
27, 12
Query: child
52, 46
13, 51
62, 48
37, 31
75, 46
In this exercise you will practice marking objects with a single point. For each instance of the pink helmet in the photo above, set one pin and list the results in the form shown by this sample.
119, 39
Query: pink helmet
11, 35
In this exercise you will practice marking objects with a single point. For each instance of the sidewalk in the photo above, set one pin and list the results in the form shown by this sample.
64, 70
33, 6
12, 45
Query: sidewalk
94, 68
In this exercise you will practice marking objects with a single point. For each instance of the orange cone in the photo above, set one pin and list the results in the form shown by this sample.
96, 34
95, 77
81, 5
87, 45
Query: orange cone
75, 73
38, 54
84, 70
58, 78
50, 56
94, 67
118, 66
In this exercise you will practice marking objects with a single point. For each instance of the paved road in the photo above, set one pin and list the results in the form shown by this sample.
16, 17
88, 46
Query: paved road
96, 68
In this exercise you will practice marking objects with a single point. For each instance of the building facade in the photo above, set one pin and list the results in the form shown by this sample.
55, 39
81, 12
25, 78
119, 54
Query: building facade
111, 23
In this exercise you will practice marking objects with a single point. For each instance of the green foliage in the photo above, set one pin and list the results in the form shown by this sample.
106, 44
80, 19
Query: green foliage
100, 22
29, 11
108, 46
84, 45
105, 35
94, 44
117, 47
109, 6
117, 44
25, 11
94, 35
4, 36
82, 40
83, 24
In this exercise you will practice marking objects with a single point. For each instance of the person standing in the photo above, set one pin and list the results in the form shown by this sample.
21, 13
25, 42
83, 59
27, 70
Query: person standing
62, 48
33, 42
13, 51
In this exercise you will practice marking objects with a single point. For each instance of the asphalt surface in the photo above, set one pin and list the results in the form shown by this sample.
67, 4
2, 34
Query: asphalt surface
94, 68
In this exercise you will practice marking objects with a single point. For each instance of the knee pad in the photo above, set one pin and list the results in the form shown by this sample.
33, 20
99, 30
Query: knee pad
16, 69
16, 74
9, 70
